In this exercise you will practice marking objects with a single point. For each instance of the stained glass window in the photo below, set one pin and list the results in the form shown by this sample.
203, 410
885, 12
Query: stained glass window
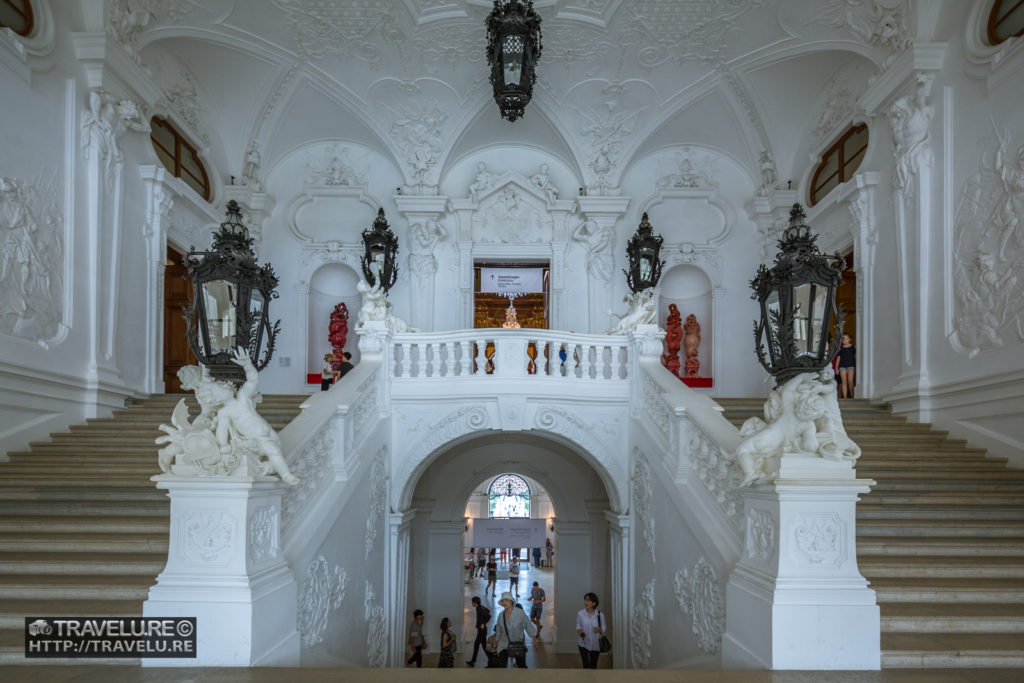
508, 496
1006, 20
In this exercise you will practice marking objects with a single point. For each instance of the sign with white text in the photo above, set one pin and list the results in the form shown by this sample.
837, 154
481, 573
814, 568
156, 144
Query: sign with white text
511, 280
508, 533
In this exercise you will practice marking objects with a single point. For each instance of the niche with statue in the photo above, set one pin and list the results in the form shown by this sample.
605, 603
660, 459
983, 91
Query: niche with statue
685, 312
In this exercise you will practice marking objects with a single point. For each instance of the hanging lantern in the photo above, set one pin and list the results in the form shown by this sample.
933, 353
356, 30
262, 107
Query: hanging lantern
644, 254
800, 322
231, 301
513, 48
381, 248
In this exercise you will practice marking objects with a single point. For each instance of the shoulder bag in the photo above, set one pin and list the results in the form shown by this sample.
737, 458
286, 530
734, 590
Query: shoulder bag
516, 648
605, 645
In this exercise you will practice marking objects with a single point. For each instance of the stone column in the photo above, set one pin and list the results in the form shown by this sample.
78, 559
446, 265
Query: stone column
225, 567
621, 582
398, 582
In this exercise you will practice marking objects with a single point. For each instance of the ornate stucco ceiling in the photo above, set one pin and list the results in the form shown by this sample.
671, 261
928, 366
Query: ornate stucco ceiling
618, 78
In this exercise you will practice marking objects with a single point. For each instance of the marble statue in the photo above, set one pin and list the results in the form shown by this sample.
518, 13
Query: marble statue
250, 170
228, 438
910, 116
600, 261
377, 307
484, 180
543, 181
801, 417
641, 312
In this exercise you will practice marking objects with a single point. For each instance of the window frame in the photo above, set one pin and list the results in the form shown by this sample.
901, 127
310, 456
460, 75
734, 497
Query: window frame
838, 149
990, 28
179, 143
30, 18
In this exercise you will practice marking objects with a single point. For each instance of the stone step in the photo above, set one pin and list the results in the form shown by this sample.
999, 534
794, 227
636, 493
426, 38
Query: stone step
80, 480
952, 650
86, 461
939, 475
147, 564
944, 566
66, 469
978, 488
921, 589
81, 495
866, 511
923, 463
74, 586
131, 539
80, 525
13, 612
964, 528
939, 545
934, 617
943, 498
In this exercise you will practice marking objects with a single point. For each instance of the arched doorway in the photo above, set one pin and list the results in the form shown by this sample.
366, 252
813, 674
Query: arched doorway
444, 493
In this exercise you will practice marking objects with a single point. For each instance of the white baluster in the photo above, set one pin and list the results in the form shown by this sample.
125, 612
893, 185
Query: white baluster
481, 356
449, 360
406, 359
588, 364
543, 366
467, 358
433, 367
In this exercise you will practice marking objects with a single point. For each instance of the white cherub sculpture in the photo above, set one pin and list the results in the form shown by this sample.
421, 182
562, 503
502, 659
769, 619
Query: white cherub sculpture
641, 312
228, 432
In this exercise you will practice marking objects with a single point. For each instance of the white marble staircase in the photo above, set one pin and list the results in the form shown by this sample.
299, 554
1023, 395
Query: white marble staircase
940, 538
83, 531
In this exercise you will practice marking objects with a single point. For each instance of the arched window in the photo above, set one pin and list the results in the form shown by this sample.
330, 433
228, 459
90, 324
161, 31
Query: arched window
178, 156
1006, 20
17, 16
839, 162
508, 496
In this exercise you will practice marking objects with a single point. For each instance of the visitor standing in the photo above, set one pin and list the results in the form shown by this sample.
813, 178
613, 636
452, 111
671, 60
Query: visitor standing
327, 373
481, 560
483, 618
537, 598
417, 641
847, 366
447, 659
536, 556
513, 578
590, 627
345, 367
492, 576
510, 626
549, 552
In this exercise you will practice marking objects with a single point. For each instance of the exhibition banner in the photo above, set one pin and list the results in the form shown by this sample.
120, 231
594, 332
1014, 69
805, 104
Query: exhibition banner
511, 280
508, 533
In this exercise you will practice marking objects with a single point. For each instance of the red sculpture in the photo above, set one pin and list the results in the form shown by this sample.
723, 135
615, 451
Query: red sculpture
673, 337
691, 341
337, 332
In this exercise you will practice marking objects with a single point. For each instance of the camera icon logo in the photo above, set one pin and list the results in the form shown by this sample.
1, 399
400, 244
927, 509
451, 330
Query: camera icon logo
40, 627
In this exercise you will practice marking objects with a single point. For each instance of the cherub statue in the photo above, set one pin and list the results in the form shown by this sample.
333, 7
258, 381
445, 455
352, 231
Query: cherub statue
641, 312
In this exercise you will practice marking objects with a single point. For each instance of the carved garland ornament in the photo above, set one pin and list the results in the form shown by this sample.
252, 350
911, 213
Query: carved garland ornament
721, 477
376, 633
264, 528
640, 628
642, 500
378, 498
761, 534
311, 464
322, 593
699, 596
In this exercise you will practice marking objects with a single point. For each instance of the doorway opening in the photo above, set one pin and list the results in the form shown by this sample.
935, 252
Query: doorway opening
177, 294
846, 299
529, 281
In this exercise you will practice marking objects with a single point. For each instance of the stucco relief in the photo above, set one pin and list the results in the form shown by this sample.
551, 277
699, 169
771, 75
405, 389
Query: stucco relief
643, 495
264, 533
376, 632
599, 241
425, 236
512, 216
322, 594
880, 23
317, 26
988, 252
910, 117
699, 596
606, 129
684, 30
761, 534
640, 626
31, 260
311, 464
417, 128
335, 166
209, 538
720, 474
687, 168
183, 96
378, 499
819, 539
839, 103
106, 120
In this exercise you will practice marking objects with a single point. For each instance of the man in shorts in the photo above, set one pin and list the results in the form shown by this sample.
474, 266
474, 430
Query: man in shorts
537, 598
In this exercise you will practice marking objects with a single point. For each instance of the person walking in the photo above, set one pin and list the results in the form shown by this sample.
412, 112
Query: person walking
510, 625
536, 556
417, 641
513, 578
590, 627
492, 576
537, 598
447, 660
481, 561
483, 618
549, 551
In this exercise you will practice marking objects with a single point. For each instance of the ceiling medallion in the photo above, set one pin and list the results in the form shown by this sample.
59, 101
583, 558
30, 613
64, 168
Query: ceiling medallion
513, 48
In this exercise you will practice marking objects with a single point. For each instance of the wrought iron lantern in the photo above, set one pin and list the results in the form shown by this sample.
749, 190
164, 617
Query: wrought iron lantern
380, 261
513, 48
644, 253
231, 301
800, 322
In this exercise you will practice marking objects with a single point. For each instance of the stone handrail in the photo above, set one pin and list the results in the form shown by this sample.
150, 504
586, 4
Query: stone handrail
510, 353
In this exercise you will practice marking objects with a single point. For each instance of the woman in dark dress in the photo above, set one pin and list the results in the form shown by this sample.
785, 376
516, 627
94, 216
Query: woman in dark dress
447, 660
847, 366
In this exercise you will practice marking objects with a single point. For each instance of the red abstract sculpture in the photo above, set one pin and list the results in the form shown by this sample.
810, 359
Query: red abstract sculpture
337, 332
691, 341
673, 337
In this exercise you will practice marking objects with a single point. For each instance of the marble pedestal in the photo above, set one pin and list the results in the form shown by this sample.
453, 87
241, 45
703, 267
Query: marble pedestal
225, 567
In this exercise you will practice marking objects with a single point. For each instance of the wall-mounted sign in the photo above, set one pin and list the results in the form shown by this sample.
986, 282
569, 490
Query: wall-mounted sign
511, 280
508, 533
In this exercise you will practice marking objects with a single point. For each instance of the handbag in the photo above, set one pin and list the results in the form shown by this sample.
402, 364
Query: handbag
604, 645
516, 648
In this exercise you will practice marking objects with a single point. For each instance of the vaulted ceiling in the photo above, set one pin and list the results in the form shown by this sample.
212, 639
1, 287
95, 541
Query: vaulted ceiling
409, 77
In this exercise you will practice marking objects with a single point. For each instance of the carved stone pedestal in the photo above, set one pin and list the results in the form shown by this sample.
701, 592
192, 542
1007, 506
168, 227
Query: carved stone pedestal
796, 600
225, 567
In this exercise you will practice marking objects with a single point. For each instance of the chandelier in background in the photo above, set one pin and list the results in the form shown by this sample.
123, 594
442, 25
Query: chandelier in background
513, 48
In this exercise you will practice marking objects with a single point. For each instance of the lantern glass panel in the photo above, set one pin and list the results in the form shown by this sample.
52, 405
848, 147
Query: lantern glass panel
808, 301
219, 308
771, 329
512, 59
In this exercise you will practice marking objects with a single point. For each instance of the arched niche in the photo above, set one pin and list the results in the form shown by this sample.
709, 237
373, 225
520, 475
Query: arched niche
330, 284
692, 291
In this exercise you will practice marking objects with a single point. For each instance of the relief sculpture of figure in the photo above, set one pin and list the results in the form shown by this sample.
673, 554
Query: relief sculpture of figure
911, 115
484, 180
543, 181
600, 261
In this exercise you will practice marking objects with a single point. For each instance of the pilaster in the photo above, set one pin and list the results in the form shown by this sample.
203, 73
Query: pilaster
605, 212
771, 215
621, 562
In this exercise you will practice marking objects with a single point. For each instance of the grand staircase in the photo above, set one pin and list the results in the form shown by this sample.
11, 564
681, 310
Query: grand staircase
83, 531
940, 538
